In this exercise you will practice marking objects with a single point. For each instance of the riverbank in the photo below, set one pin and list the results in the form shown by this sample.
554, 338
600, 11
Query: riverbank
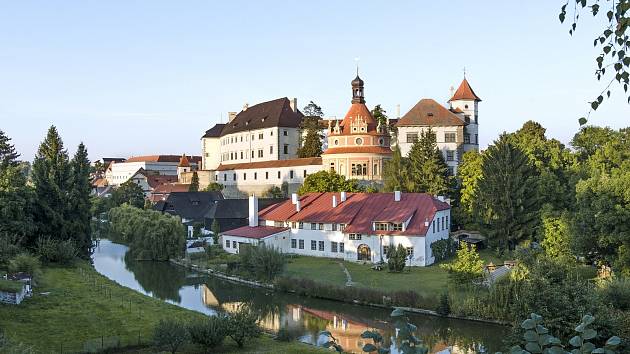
75, 309
332, 289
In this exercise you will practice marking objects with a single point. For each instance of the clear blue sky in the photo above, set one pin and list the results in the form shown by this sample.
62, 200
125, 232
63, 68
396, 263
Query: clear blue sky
146, 77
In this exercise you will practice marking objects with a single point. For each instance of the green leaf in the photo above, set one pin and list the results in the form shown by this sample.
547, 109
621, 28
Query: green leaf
576, 341
588, 319
587, 347
541, 330
530, 336
594, 105
599, 351
556, 350
600, 99
528, 324
609, 14
368, 348
533, 347
613, 341
589, 334
561, 17
582, 121
516, 350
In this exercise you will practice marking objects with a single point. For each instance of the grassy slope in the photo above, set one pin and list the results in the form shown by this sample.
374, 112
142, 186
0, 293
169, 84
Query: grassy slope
76, 311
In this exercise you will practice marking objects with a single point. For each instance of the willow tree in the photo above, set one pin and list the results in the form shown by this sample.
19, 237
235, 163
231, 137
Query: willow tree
508, 197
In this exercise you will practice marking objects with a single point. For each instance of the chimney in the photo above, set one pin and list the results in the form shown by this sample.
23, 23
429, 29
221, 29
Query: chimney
343, 197
293, 104
245, 106
231, 116
426, 222
253, 211
297, 206
396, 196
334, 200
294, 198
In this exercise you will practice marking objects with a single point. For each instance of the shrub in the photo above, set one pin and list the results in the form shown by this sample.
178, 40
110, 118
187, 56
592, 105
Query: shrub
171, 334
56, 251
617, 293
443, 249
25, 263
396, 258
263, 262
210, 332
467, 267
243, 325
444, 307
9, 247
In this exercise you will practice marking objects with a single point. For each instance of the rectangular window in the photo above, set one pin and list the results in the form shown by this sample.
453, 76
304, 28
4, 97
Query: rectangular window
225, 176
293, 225
244, 176
255, 175
397, 226
438, 224
234, 176
313, 226
301, 244
286, 149
447, 224
293, 243
354, 236
233, 244
313, 245
342, 227
260, 136
291, 174
301, 225
260, 152
450, 137
321, 246
241, 155
380, 226
333, 247
266, 175
227, 243
270, 149
443, 228
385, 251
476, 138
409, 251
359, 169
278, 223
304, 174
466, 138
320, 226
284, 132
252, 154
412, 137
450, 155
333, 227
278, 174
341, 247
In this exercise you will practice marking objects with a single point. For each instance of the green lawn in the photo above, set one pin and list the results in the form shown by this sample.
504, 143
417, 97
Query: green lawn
76, 311
325, 270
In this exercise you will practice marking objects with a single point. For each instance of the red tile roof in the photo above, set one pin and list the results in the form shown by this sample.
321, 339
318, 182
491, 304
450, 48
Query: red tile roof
257, 232
171, 187
357, 110
358, 149
271, 164
162, 158
465, 92
156, 180
360, 210
183, 161
428, 112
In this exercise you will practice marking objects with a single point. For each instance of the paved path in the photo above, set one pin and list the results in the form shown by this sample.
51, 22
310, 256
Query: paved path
349, 281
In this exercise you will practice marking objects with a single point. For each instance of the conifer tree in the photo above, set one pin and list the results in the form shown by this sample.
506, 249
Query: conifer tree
427, 169
311, 144
15, 196
507, 195
79, 203
395, 173
194, 182
52, 177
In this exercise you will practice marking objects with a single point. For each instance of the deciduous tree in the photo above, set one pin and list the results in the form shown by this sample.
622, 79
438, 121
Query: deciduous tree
130, 193
328, 181
311, 142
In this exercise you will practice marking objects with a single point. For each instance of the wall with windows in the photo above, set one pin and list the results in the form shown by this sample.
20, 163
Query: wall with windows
268, 144
280, 241
210, 153
123, 171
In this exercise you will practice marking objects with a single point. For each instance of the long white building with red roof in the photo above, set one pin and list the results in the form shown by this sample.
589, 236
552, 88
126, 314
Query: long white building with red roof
350, 226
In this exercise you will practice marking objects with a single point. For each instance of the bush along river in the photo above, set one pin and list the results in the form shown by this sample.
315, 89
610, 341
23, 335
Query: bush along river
302, 317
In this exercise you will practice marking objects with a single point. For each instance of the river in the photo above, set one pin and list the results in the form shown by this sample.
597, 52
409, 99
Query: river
303, 317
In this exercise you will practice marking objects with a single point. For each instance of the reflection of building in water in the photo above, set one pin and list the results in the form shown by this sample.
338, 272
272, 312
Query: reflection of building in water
207, 297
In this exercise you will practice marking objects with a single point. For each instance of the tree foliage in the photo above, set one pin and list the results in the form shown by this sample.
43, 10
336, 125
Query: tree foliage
395, 173
396, 258
264, 262
213, 187
557, 237
469, 173
328, 181
243, 325
379, 115
150, 235
209, 332
194, 182
80, 203
508, 196
613, 42
428, 172
467, 267
128, 193
170, 334
311, 138
16, 198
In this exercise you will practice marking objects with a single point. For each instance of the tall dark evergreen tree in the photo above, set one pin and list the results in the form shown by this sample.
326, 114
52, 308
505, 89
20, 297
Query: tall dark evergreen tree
311, 143
52, 176
428, 172
395, 175
15, 196
194, 182
79, 216
508, 197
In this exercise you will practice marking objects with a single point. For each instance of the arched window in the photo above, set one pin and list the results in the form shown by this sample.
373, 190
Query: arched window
364, 253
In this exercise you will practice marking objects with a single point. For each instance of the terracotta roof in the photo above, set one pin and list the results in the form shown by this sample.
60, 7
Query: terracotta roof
358, 149
465, 92
428, 112
215, 131
271, 164
276, 113
171, 188
183, 161
360, 210
457, 110
156, 180
257, 232
162, 158
357, 110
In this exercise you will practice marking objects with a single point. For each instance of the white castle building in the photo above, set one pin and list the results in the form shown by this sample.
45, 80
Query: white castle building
351, 226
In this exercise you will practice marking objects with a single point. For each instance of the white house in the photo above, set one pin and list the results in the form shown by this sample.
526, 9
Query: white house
350, 226
118, 173
455, 128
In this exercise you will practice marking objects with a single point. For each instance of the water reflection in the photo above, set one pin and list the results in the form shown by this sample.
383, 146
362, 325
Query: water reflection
302, 317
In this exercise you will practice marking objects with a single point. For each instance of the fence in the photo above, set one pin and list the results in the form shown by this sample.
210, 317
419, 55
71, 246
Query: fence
104, 342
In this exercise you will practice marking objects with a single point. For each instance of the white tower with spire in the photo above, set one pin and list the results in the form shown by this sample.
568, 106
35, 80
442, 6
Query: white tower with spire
465, 102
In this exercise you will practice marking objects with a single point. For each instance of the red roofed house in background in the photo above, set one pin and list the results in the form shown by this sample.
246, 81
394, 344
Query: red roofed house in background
350, 226
456, 127
358, 146
163, 165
